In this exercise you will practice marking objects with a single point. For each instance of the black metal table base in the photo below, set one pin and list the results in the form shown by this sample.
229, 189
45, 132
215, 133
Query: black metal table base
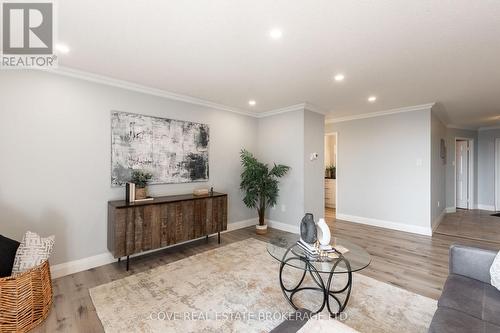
326, 290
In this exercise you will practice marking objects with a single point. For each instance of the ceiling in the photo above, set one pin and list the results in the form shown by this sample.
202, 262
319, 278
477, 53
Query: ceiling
404, 52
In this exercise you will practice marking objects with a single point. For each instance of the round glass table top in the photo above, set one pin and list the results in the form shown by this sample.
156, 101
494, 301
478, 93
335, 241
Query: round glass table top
348, 257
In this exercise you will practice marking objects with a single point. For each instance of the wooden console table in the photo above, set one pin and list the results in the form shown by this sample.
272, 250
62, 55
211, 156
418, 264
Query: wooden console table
142, 226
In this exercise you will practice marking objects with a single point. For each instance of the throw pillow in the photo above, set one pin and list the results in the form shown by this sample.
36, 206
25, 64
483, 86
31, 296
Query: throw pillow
495, 272
33, 251
8, 248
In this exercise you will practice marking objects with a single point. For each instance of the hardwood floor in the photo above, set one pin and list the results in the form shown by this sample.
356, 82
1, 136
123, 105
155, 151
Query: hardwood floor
472, 224
413, 262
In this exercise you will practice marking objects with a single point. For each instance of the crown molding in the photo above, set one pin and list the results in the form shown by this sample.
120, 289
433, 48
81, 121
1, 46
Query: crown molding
487, 128
101, 79
291, 108
381, 113
465, 128
96, 78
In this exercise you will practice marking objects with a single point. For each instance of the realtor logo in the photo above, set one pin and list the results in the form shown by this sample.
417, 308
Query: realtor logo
28, 35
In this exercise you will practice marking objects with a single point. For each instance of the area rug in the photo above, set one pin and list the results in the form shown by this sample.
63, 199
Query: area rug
235, 288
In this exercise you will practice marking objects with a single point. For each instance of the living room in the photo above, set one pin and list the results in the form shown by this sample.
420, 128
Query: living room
164, 166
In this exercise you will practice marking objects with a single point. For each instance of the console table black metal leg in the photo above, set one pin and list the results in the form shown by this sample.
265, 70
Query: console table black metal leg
206, 239
218, 237
128, 262
119, 259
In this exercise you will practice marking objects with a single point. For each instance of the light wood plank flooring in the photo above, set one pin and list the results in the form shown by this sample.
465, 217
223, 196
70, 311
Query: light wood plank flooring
472, 224
413, 262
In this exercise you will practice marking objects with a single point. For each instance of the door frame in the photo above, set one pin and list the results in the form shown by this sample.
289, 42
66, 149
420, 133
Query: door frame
497, 174
336, 134
470, 171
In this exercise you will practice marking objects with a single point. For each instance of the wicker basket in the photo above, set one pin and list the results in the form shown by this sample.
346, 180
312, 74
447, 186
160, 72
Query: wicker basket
25, 299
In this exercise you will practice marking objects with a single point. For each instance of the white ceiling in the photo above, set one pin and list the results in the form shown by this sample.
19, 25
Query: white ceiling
404, 52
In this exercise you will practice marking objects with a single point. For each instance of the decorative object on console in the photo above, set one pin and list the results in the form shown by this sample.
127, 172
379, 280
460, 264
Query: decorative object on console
200, 191
33, 251
324, 235
308, 232
130, 192
260, 185
8, 248
140, 178
174, 151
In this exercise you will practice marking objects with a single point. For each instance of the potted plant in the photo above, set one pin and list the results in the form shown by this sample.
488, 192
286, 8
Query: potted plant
141, 178
260, 185
331, 172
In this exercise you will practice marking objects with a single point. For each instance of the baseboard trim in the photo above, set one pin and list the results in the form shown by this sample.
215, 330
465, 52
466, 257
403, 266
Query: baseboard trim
438, 220
83, 264
449, 210
486, 207
283, 226
427, 231
79, 265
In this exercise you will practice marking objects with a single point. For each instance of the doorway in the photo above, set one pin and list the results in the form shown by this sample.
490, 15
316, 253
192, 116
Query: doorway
331, 172
464, 170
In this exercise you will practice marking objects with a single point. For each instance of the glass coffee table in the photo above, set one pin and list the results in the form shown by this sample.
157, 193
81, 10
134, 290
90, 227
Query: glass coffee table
325, 274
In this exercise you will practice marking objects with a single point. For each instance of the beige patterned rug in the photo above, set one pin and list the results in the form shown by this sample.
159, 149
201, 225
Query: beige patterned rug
235, 288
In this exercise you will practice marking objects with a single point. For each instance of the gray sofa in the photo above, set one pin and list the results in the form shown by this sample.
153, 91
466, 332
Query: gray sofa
469, 303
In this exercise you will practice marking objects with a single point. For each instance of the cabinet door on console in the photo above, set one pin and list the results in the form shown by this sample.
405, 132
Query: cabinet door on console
216, 214
200, 217
151, 230
168, 218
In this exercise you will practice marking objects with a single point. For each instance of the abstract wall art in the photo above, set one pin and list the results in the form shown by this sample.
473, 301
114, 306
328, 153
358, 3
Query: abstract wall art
174, 151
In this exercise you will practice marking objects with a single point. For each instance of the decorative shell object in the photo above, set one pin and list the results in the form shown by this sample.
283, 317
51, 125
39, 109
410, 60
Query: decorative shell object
308, 231
324, 234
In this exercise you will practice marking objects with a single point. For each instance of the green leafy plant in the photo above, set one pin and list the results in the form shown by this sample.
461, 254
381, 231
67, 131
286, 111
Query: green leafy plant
260, 183
331, 171
141, 178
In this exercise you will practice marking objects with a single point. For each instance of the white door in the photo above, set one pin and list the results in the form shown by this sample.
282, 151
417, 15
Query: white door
462, 167
497, 174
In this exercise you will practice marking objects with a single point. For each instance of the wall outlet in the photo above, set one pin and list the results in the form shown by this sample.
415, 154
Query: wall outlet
419, 162
439, 204
283, 208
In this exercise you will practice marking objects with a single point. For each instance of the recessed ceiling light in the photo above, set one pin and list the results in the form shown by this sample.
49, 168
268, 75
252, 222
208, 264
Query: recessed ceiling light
62, 48
372, 99
252, 102
275, 33
339, 77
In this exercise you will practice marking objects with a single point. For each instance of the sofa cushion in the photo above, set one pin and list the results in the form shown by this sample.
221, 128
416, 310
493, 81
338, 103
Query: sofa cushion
8, 248
491, 310
463, 294
448, 320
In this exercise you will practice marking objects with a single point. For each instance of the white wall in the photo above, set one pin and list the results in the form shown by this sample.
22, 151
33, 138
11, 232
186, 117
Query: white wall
281, 141
486, 168
383, 170
438, 170
314, 171
55, 153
